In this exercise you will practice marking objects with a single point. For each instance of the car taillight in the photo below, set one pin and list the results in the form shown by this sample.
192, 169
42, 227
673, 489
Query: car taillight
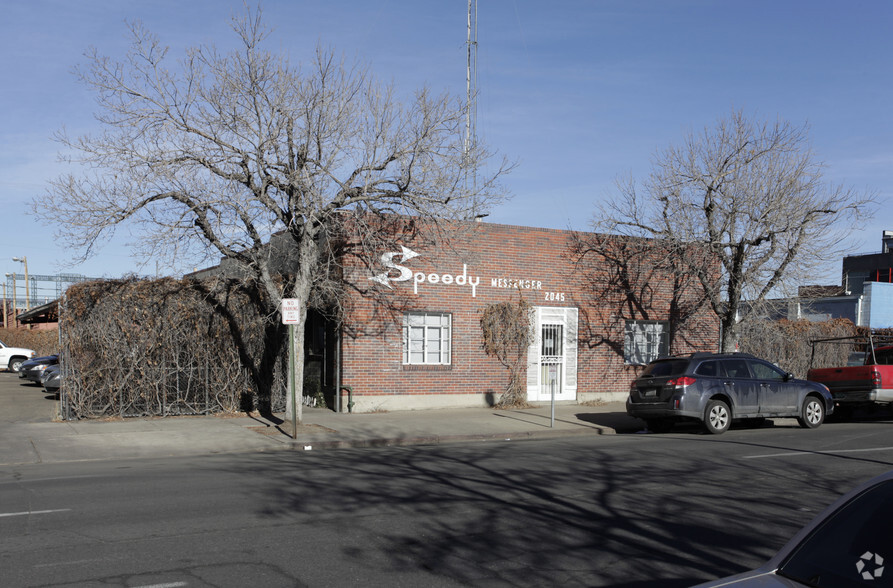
681, 381
876, 378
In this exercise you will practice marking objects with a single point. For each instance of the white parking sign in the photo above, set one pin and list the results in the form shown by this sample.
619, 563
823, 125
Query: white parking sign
291, 311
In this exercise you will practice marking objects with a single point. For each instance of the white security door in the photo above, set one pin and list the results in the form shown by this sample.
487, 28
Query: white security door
552, 357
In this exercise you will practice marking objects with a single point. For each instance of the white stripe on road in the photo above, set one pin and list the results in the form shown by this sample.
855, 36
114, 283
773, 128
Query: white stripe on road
836, 452
168, 585
32, 512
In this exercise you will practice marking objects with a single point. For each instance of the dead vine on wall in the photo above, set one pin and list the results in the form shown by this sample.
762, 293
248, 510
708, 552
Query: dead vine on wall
507, 336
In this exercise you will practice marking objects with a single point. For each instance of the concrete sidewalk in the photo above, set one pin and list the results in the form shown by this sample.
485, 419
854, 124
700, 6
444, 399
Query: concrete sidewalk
56, 442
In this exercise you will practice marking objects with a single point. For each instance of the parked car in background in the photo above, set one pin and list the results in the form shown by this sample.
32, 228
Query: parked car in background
11, 358
52, 379
846, 545
33, 369
859, 384
717, 388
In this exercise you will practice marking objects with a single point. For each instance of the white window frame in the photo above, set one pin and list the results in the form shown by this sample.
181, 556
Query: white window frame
645, 341
420, 330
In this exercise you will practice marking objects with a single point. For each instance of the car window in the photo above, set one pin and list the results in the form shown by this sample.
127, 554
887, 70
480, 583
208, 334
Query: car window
884, 356
673, 367
856, 358
708, 369
850, 547
764, 371
735, 368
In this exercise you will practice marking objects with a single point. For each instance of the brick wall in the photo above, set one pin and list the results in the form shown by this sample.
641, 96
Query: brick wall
494, 263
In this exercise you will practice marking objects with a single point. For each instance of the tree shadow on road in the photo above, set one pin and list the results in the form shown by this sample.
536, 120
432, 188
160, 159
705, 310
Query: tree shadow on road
532, 514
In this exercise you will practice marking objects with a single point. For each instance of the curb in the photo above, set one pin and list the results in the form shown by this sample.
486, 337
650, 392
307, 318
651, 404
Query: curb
312, 444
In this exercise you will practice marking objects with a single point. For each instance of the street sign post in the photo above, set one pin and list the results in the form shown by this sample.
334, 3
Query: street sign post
291, 316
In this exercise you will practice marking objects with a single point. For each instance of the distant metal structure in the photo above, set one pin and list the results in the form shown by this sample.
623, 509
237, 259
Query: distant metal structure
39, 289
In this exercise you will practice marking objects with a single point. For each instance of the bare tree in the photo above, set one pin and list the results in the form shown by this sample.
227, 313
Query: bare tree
754, 196
213, 154
637, 279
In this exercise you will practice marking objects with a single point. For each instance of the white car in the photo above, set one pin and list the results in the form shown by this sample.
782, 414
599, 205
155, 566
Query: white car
11, 358
849, 544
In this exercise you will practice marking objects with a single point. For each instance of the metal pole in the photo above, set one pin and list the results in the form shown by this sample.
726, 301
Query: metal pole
15, 318
337, 368
553, 404
292, 381
61, 356
27, 285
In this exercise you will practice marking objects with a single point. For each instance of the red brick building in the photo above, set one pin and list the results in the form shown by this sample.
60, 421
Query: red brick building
594, 325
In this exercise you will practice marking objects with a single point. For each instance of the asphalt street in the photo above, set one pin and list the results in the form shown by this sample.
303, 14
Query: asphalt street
620, 510
577, 507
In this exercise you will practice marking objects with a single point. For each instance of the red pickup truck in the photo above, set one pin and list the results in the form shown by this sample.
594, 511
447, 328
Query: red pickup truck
871, 382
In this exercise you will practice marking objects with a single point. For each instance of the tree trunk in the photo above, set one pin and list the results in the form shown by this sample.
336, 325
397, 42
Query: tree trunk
727, 343
308, 254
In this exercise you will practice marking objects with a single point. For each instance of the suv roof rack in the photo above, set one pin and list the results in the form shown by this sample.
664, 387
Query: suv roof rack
702, 354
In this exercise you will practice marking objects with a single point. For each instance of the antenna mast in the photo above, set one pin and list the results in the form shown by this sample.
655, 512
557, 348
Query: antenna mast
471, 91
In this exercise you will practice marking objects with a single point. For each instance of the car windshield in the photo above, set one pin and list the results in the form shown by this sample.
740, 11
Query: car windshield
850, 547
670, 367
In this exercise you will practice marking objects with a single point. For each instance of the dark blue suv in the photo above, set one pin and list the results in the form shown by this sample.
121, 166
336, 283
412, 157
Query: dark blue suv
716, 388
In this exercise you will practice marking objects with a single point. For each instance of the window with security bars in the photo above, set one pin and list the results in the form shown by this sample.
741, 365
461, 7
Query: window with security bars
645, 341
553, 341
426, 338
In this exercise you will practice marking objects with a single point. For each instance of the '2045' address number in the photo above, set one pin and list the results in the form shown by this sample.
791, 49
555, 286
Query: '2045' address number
554, 296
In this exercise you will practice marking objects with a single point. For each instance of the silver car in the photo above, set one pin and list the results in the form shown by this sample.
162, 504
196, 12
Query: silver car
716, 388
52, 379
849, 544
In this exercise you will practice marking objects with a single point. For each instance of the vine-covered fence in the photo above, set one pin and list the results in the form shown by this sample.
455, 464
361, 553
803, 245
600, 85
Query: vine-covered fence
168, 347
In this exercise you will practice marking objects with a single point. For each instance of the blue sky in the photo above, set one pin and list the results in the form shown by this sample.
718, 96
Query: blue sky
578, 92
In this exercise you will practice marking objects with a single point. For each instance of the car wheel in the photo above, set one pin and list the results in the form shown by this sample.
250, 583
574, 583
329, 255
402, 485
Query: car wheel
15, 364
659, 425
717, 417
812, 414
